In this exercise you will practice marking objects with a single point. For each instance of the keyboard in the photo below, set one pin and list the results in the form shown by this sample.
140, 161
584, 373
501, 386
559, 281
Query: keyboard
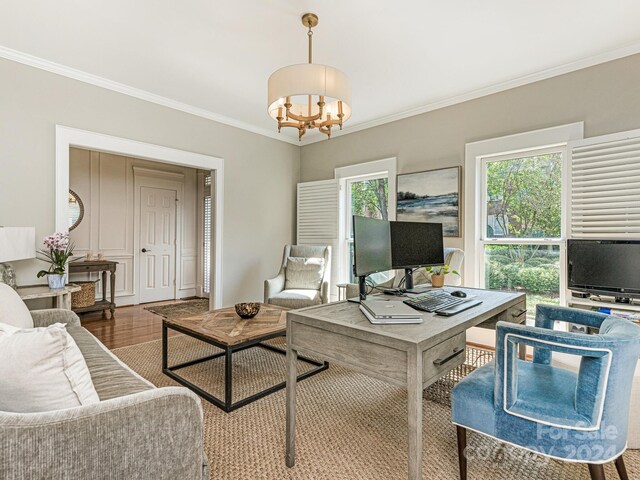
433, 300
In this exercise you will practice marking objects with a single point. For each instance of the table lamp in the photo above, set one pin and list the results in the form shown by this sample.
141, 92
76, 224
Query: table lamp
16, 243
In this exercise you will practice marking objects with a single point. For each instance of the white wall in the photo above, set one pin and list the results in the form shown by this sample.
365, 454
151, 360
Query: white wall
105, 184
260, 172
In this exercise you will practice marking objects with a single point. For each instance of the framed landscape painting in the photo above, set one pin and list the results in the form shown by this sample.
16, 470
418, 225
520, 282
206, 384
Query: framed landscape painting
431, 196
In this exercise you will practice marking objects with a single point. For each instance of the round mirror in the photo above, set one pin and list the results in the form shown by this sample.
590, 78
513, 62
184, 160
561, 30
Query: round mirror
76, 210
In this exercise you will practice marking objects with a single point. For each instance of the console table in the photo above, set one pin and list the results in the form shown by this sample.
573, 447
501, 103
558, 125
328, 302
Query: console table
102, 266
411, 356
61, 296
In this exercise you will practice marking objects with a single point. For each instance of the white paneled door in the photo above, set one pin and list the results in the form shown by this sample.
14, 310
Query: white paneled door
157, 244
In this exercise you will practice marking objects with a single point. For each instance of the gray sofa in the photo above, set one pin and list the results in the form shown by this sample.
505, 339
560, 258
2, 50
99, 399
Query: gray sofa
136, 431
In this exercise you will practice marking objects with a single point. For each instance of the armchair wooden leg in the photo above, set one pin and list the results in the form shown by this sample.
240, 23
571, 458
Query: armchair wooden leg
462, 445
597, 472
622, 470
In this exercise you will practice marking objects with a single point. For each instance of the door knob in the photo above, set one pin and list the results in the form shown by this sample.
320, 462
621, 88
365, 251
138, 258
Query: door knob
144, 250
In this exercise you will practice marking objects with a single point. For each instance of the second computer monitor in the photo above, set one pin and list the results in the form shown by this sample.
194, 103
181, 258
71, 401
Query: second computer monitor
416, 244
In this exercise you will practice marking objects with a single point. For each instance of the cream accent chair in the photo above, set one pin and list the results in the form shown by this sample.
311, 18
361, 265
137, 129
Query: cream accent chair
292, 297
452, 257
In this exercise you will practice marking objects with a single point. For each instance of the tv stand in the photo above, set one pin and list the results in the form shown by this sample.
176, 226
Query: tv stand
603, 301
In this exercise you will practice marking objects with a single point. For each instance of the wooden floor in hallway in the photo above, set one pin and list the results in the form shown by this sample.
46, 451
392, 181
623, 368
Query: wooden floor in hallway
131, 325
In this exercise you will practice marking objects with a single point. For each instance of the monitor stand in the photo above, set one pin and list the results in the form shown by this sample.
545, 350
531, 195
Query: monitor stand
362, 288
408, 279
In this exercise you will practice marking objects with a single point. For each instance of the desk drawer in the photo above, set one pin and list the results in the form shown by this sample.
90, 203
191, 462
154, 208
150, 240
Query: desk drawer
515, 314
378, 361
442, 358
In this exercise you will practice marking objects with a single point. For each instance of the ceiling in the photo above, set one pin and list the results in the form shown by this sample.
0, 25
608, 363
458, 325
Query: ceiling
402, 57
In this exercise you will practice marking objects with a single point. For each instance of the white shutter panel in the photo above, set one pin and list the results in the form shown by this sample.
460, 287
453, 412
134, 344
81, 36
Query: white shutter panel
605, 186
318, 213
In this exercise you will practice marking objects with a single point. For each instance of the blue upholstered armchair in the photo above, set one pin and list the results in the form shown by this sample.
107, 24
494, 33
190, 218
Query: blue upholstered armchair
573, 416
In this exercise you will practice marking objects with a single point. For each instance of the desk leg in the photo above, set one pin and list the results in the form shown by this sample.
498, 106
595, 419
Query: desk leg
57, 301
414, 400
522, 351
292, 361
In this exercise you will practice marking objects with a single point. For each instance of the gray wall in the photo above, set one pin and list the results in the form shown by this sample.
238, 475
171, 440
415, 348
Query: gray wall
260, 173
606, 97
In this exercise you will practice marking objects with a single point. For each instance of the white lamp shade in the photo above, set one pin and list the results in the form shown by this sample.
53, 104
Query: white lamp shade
304, 79
17, 243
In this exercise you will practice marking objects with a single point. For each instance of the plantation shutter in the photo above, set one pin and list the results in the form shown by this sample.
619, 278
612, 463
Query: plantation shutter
605, 186
318, 212
318, 216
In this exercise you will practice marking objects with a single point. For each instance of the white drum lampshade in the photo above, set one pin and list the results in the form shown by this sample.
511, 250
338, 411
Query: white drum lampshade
308, 96
304, 79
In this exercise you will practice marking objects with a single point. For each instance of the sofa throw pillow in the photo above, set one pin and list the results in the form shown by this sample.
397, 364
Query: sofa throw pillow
304, 273
42, 369
13, 311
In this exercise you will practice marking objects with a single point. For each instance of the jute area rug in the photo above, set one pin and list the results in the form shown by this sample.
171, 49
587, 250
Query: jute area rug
349, 427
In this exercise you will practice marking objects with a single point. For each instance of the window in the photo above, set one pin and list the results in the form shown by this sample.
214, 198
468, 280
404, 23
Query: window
206, 251
365, 190
522, 233
366, 196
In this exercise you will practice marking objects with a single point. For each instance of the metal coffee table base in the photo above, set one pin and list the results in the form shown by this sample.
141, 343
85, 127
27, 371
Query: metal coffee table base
227, 351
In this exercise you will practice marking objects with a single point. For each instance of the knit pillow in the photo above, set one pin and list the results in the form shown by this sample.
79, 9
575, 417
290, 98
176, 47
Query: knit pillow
304, 273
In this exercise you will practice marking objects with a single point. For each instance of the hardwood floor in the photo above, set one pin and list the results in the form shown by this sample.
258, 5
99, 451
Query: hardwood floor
130, 326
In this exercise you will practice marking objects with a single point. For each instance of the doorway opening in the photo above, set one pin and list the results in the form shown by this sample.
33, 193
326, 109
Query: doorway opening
160, 233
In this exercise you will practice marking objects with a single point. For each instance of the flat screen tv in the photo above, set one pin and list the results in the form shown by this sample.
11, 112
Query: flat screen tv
605, 267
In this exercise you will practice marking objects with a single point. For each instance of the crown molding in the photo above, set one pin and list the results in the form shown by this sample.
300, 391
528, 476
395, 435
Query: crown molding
586, 62
98, 81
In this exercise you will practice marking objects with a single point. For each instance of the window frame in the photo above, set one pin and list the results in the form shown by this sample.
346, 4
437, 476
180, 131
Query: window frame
560, 241
510, 144
345, 176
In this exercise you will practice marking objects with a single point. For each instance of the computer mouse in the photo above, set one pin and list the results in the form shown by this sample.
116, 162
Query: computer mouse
459, 293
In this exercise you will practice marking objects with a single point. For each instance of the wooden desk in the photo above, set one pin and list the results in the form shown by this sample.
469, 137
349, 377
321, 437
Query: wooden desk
103, 266
410, 356
61, 296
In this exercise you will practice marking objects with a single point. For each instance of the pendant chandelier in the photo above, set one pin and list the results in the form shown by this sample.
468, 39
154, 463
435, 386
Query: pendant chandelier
307, 96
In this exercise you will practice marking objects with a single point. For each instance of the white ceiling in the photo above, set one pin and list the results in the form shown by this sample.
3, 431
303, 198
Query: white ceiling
400, 56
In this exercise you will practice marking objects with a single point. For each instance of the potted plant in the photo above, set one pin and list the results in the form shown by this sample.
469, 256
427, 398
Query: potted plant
438, 273
57, 250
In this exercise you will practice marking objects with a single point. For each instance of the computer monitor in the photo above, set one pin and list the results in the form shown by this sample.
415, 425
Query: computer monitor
414, 245
371, 248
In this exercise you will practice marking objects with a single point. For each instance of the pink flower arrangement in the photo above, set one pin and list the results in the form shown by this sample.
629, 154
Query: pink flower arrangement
56, 250
58, 241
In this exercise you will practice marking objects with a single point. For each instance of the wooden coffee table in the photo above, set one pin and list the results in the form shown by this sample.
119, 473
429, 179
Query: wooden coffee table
224, 329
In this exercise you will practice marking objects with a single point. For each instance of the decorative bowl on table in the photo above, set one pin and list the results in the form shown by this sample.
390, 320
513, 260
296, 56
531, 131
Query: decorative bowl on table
247, 310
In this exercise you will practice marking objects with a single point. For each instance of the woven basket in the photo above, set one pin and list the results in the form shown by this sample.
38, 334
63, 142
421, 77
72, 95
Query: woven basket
86, 296
440, 391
